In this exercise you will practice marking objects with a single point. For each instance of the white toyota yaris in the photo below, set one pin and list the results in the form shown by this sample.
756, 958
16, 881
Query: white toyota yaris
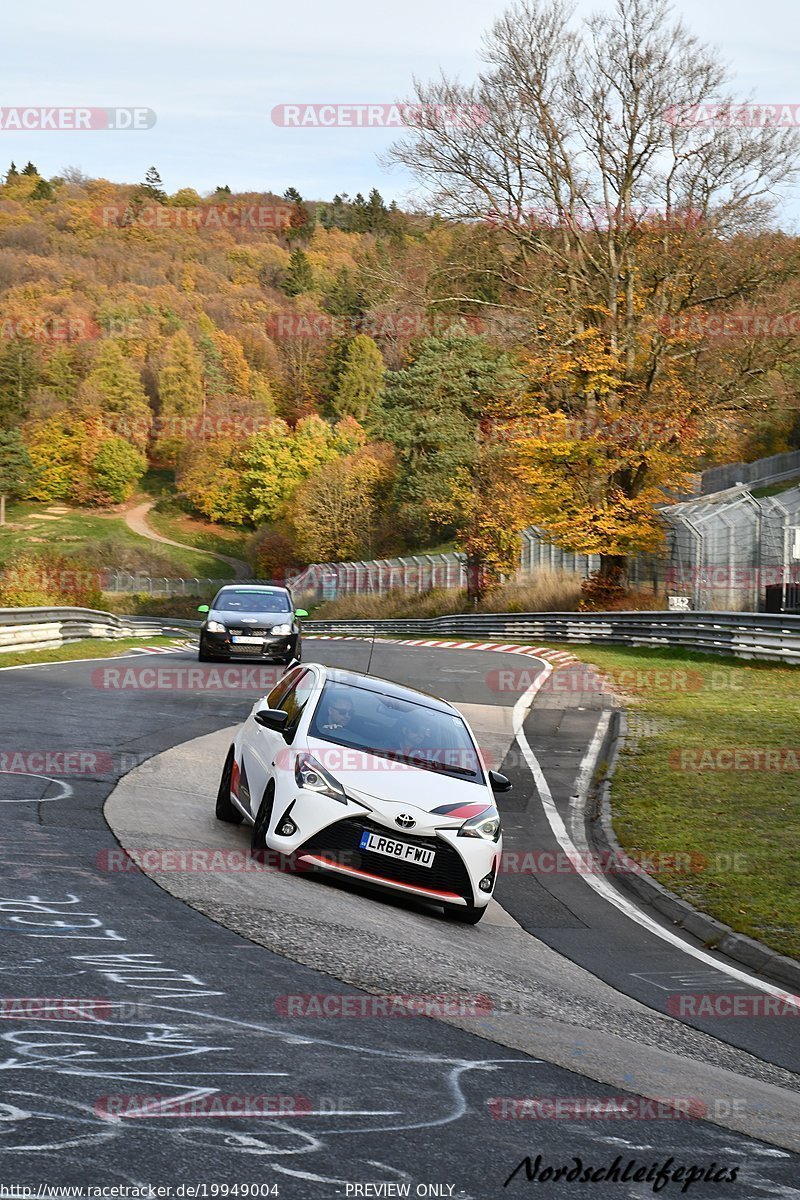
350, 774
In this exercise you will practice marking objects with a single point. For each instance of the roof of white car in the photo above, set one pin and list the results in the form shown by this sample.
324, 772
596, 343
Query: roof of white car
386, 687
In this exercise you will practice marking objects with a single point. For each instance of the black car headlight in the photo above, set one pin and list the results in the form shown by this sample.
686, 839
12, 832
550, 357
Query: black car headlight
215, 627
485, 825
281, 630
310, 774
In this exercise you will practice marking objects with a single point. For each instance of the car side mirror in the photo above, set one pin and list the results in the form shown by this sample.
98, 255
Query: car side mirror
203, 608
498, 782
300, 612
272, 718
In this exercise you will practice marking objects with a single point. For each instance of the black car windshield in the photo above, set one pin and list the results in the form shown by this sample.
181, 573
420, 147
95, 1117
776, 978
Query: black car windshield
396, 729
252, 602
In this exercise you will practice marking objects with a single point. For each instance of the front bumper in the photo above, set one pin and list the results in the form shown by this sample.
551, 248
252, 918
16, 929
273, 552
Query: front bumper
448, 881
270, 647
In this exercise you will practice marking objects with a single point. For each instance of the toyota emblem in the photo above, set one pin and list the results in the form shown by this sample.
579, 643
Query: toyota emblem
405, 821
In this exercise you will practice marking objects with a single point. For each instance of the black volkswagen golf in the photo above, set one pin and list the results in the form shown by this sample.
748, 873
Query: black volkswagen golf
251, 621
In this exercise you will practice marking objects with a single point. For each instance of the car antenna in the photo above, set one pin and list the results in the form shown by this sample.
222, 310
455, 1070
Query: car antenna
371, 648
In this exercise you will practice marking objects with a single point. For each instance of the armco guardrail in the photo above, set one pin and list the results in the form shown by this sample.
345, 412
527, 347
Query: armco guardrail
774, 637
23, 629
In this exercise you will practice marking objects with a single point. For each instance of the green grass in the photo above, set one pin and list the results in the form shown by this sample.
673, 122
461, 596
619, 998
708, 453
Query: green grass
204, 535
104, 539
775, 489
660, 807
87, 648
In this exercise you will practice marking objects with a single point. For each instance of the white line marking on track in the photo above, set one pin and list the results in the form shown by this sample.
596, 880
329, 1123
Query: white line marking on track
601, 886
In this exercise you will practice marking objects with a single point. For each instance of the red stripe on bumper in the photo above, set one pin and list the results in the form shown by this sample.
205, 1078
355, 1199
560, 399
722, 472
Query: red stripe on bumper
403, 887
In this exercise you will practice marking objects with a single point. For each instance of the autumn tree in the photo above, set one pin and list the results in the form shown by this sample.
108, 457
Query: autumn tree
210, 478
335, 512
620, 214
76, 457
278, 459
181, 396
114, 388
301, 223
115, 471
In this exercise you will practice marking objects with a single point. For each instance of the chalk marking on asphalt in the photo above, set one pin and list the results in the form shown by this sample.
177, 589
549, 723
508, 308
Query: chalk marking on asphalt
599, 885
65, 793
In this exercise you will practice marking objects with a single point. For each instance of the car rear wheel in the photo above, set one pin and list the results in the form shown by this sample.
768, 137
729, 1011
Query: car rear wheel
226, 810
470, 915
258, 835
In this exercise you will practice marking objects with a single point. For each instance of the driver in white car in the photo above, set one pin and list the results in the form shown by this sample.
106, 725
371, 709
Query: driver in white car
338, 716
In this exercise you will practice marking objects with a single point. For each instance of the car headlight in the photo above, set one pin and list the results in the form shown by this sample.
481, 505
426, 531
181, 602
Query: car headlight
310, 774
215, 627
485, 825
281, 629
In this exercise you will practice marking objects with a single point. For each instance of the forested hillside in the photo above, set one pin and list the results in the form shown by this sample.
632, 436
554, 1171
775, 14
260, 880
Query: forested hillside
343, 379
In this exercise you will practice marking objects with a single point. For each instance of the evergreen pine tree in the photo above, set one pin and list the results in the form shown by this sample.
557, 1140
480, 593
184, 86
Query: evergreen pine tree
152, 185
361, 382
19, 374
299, 276
376, 212
42, 191
16, 468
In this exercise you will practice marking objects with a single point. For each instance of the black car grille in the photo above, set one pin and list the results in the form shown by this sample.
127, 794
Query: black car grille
251, 632
341, 842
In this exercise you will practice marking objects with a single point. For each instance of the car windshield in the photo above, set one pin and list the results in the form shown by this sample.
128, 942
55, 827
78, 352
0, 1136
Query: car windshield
396, 729
252, 602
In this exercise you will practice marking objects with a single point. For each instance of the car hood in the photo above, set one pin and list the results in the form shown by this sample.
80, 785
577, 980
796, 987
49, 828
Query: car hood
250, 620
384, 784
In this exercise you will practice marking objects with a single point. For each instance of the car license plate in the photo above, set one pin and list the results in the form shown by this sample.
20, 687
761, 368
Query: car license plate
238, 640
420, 856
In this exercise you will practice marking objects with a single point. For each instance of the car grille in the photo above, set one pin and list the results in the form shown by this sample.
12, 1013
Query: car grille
250, 631
448, 872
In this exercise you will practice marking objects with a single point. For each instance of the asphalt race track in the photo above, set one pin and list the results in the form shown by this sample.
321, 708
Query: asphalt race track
185, 988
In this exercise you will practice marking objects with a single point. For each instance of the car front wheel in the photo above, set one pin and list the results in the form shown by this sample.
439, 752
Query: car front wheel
258, 835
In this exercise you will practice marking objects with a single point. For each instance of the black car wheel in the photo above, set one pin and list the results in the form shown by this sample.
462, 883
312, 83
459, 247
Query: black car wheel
258, 835
470, 915
226, 810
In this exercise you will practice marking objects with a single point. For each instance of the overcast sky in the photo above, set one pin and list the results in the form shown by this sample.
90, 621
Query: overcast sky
214, 71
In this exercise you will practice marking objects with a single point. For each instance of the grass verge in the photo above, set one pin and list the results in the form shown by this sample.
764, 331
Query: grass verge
203, 535
679, 789
86, 648
98, 540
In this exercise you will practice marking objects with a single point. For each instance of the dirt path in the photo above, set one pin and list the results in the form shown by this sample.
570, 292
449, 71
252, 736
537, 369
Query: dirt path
136, 519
